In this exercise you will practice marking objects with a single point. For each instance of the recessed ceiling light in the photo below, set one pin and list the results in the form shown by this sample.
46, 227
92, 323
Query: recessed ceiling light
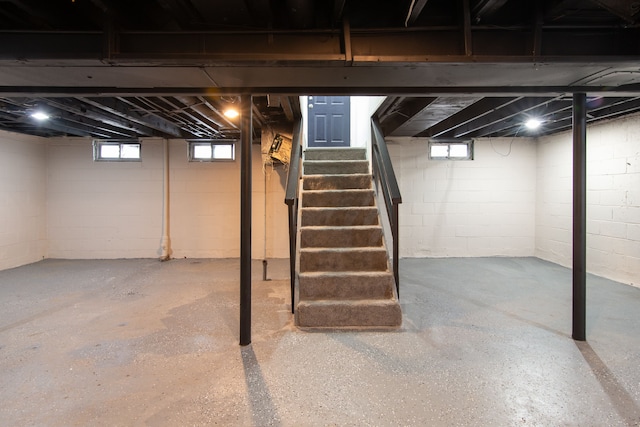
39, 115
533, 124
231, 113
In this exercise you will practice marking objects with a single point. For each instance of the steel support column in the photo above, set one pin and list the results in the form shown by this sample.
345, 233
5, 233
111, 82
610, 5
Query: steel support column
579, 216
246, 133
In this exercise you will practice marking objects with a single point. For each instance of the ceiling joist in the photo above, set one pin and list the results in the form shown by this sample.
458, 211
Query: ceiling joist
124, 109
166, 67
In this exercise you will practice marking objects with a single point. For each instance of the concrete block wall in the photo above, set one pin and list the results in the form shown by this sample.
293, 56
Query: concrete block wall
114, 209
103, 209
205, 207
483, 207
613, 199
23, 221
514, 199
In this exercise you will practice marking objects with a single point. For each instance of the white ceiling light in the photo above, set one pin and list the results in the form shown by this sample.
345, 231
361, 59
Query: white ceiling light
533, 124
231, 113
39, 115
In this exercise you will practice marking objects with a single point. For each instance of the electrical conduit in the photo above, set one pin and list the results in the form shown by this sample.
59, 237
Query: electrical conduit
165, 244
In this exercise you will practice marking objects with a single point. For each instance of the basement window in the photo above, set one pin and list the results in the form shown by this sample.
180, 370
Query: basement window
212, 151
116, 151
451, 150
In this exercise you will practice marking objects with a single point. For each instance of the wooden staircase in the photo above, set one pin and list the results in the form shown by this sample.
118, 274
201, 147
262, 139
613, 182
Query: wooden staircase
344, 280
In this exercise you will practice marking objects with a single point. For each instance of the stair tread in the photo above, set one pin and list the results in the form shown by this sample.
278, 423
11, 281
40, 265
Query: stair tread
339, 215
341, 227
319, 161
336, 182
347, 273
335, 167
350, 302
340, 175
340, 190
356, 249
356, 153
340, 208
333, 149
354, 236
343, 197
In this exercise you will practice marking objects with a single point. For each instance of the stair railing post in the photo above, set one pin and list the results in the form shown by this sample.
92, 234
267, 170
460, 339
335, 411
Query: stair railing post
292, 252
291, 199
396, 249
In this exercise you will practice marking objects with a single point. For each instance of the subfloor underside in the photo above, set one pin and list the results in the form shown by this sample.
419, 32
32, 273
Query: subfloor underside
484, 341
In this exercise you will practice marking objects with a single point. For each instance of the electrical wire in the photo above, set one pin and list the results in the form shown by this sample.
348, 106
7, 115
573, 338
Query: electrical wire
510, 144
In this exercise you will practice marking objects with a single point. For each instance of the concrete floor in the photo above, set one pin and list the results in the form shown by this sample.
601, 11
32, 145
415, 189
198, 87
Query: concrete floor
484, 342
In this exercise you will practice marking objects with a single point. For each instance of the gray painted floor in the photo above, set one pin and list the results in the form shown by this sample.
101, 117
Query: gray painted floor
484, 342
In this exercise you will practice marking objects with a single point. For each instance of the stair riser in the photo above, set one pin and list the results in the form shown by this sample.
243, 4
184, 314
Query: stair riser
343, 260
340, 238
335, 154
347, 287
339, 217
338, 198
332, 168
345, 315
336, 182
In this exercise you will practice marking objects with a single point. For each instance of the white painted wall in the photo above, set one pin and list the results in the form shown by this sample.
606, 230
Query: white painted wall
613, 199
514, 199
362, 108
114, 210
23, 225
483, 207
103, 209
304, 110
205, 207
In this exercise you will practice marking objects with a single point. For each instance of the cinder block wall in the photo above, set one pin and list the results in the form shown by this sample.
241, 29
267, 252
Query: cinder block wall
103, 209
114, 209
23, 222
513, 200
483, 207
613, 199
205, 207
